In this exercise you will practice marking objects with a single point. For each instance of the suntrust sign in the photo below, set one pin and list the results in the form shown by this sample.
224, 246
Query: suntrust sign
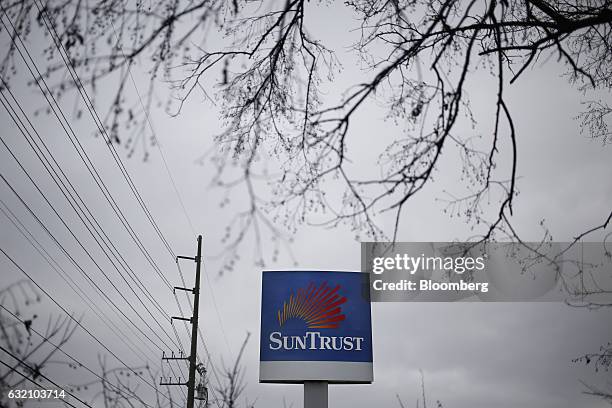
315, 325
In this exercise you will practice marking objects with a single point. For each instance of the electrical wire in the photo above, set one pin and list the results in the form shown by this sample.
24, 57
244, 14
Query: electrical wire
155, 138
80, 86
63, 249
77, 322
61, 117
80, 364
40, 386
47, 166
18, 122
212, 295
159, 307
74, 262
91, 108
23, 363
25, 232
150, 297
19, 163
81, 151
89, 230
141, 285
178, 195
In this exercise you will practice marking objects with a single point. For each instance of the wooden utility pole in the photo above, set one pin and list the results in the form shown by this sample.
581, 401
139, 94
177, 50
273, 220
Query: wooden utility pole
191, 387
194, 328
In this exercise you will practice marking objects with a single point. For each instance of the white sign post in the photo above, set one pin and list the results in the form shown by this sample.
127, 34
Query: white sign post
315, 394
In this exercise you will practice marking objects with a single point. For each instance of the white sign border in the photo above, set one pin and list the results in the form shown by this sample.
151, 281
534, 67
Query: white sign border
339, 372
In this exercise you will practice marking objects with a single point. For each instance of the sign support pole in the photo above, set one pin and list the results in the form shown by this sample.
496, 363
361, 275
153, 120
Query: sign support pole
315, 394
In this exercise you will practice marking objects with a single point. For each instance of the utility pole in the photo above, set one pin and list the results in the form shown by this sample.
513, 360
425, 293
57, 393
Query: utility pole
192, 358
194, 328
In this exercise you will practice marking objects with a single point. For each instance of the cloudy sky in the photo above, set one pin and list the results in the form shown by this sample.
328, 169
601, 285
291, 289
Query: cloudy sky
471, 355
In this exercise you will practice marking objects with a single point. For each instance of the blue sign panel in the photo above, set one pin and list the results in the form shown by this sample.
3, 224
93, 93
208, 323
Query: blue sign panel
315, 325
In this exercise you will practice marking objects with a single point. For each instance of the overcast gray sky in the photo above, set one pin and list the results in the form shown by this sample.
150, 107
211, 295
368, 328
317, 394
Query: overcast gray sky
472, 355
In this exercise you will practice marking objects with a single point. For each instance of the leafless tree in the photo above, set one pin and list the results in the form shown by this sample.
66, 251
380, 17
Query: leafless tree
233, 382
28, 354
596, 392
266, 70
24, 355
262, 64
601, 361
118, 387
422, 400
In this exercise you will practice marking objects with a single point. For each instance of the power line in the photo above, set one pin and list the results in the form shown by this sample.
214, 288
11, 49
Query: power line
66, 252
90, 107
141, 285
169, 173
103, 187
80, 364
23, 363
36, 79
176, 190
155, 138
9, 210
18, 162
203, 345
63, 249
214, 304
212, 295
118, 214
39, 385
200, 335
76, 192
78, 241
77, 322
150, 297
81, 89
81, 151
68, 279
193, 359
25, 48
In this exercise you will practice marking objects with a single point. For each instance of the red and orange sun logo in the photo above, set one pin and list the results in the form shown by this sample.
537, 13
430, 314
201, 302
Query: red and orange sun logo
319, 307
